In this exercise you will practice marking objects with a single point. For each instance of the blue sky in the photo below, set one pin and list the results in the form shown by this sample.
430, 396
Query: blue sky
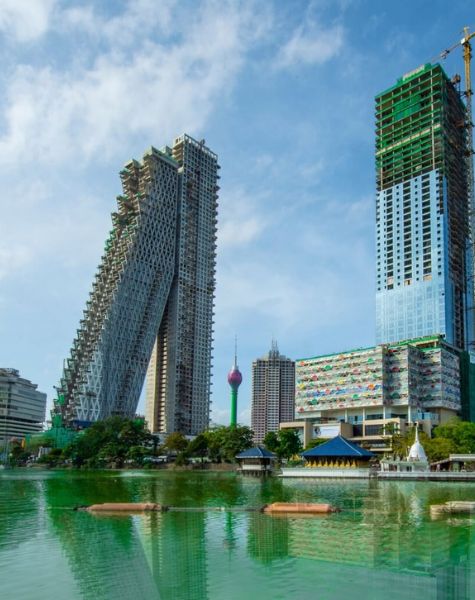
282, 91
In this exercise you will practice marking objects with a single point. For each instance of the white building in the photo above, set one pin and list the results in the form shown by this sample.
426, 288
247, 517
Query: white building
273, 392
22, 407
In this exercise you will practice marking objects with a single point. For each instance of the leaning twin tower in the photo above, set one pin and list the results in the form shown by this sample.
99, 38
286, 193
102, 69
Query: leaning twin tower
152, 298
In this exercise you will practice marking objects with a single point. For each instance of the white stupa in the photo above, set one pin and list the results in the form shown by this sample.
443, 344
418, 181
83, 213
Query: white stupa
417, 452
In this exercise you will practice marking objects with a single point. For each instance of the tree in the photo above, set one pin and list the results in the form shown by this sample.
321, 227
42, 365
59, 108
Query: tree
285, 442
315, 442
439, 448
462, 434
289, 443
18, 454
53, 458
107, 441
224, 443
271, 441
137, 454
198, 446
176, 442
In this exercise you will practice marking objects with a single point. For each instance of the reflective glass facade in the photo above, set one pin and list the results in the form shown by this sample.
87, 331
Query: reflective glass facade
422, 222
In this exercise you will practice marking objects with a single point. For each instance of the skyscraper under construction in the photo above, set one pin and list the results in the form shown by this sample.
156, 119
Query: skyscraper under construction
154, 289
423, 280
178, 377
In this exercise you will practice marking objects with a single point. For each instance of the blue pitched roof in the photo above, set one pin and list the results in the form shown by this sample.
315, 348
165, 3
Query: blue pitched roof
336, 447
257, 452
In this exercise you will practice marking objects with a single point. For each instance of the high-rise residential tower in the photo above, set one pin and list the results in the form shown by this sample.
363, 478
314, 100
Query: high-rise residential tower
178, 379
424, 283
156, 276
273, 392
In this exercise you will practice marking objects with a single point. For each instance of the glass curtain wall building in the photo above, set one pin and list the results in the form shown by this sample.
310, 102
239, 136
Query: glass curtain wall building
423, 279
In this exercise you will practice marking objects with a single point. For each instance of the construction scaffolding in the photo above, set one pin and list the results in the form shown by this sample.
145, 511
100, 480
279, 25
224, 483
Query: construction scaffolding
104, 373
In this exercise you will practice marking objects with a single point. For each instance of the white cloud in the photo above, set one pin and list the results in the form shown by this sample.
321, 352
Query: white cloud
309, 45
313, 171
150, 91
77, 223
25, 20
144, 16
298, 285
12, 257
241, 219
222, 416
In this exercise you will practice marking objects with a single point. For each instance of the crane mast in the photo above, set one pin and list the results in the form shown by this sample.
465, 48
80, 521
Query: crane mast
467, 59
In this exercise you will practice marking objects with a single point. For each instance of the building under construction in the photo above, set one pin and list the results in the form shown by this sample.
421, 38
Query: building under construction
178, 378
156, 277
424, 268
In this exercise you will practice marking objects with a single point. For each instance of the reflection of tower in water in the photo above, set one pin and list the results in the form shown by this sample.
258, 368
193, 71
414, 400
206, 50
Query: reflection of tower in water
105, 554
175, 546
268, 537
174, 543
391, 539
230, 539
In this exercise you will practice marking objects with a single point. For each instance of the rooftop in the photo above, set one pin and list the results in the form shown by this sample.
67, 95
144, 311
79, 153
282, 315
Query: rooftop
256, 452
338, 447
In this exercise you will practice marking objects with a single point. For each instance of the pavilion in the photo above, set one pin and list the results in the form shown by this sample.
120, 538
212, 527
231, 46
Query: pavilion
337, 453
256, 461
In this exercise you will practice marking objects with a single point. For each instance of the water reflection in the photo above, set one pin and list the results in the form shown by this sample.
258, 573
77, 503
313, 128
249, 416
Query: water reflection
382, 545
391, 534
20, 514
102, 552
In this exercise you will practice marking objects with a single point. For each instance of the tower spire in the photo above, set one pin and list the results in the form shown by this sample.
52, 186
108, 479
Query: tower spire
234, 380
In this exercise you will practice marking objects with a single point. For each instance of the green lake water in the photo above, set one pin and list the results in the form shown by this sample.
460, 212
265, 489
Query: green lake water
383, 544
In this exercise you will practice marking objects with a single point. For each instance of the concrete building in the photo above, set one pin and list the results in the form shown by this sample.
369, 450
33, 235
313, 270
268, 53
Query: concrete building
178, 379
379, 390
154, 286
273, 392
423, 274
22, 406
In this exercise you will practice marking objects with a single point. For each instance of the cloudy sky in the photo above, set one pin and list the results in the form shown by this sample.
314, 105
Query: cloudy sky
282, 91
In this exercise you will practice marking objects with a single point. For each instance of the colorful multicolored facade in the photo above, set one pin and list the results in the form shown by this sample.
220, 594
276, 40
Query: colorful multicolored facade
420, 379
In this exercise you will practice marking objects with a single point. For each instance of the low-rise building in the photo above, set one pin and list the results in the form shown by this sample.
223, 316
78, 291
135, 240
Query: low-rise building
381, 390
22, 406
